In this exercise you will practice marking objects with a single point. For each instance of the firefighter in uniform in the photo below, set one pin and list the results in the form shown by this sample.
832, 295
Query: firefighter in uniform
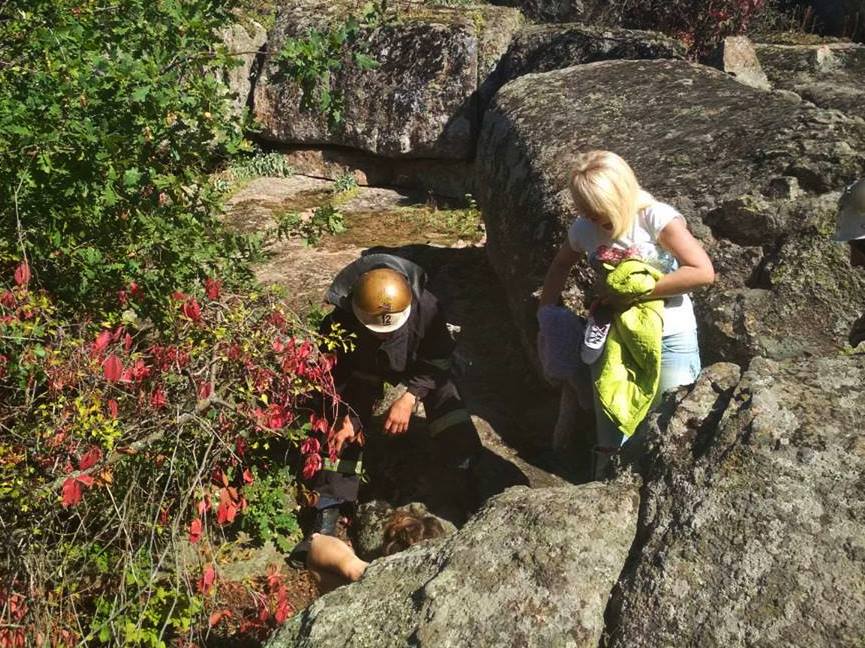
400, 337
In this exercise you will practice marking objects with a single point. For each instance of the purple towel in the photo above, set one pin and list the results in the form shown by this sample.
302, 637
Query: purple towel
559, 340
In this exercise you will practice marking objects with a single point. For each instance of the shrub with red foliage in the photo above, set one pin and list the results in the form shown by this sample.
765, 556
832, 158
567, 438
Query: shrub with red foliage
108, 434
700, 24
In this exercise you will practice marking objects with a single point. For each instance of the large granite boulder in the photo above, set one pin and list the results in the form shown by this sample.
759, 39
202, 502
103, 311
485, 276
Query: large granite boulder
529, 569
745, 160
749, 531
541, 48
421, 100
829, 75
752, 519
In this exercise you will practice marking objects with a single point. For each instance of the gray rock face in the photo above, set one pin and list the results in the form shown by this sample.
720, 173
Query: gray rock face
702, 142
591, 12
830, 76
245, 42
750, 531
541, 48
525, 571
752, 522
420, 100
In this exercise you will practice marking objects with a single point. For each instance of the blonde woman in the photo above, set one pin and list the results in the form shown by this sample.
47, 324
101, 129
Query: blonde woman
614, 215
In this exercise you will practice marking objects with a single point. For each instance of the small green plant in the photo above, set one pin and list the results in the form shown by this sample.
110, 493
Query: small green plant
463, 223
155, 606
313, 60
271, 513
326, 219
345, 183
260, 165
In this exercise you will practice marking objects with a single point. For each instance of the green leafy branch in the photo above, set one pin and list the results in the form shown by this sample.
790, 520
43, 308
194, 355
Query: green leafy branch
313, 60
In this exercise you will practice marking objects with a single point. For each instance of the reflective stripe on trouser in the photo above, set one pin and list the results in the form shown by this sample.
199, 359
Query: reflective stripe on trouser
443, 422
450, 425
339, 480
343, 466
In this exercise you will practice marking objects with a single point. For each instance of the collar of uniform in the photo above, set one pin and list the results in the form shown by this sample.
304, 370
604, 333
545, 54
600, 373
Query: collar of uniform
397, 347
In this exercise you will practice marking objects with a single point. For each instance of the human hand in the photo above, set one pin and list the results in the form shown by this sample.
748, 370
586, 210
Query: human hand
617, 301
345, 434
399, 414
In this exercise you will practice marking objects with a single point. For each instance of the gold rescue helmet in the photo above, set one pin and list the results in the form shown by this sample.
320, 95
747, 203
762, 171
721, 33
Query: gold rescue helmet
851, 213
381, 300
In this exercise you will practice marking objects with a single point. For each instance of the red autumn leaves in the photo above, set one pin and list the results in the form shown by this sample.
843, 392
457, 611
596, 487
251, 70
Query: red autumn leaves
22, 274
112, 368
231, 501
132, 375
73, 488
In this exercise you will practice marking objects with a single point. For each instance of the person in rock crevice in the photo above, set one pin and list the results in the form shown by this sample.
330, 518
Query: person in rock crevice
399, 336
615, 216
334, 562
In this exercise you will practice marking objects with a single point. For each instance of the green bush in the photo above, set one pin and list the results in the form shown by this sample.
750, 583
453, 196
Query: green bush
111, 115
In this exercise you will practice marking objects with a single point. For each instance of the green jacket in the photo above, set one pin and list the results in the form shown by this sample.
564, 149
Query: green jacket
631, 364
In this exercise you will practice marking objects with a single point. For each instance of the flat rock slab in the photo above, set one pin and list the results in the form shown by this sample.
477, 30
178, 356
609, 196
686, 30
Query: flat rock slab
307, 270
421, 98
752, 523
830, 75
699, 140
533, 568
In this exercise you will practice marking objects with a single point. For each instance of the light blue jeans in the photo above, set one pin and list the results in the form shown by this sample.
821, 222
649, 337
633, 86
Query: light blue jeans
680, 365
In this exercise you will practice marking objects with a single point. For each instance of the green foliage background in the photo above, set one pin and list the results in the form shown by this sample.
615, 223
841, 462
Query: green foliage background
111, 114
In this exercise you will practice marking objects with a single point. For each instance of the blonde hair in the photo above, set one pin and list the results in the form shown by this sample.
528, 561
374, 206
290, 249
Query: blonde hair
603, 185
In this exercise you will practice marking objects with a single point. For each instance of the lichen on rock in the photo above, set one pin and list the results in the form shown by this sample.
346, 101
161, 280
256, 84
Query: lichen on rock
419, 100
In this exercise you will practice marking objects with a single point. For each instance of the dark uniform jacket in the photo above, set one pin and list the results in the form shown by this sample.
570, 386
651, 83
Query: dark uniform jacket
417, 354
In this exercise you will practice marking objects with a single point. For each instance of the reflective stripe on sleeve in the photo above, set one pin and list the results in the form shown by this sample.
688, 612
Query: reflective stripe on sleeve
450, 419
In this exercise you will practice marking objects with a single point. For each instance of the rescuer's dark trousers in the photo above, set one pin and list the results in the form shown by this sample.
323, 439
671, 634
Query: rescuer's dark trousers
449, 424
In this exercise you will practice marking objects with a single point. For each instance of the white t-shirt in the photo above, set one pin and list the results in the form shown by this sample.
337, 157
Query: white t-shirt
585, 236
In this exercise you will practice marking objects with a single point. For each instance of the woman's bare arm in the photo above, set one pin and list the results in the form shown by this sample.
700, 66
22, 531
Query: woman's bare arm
557, 274
695, 267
